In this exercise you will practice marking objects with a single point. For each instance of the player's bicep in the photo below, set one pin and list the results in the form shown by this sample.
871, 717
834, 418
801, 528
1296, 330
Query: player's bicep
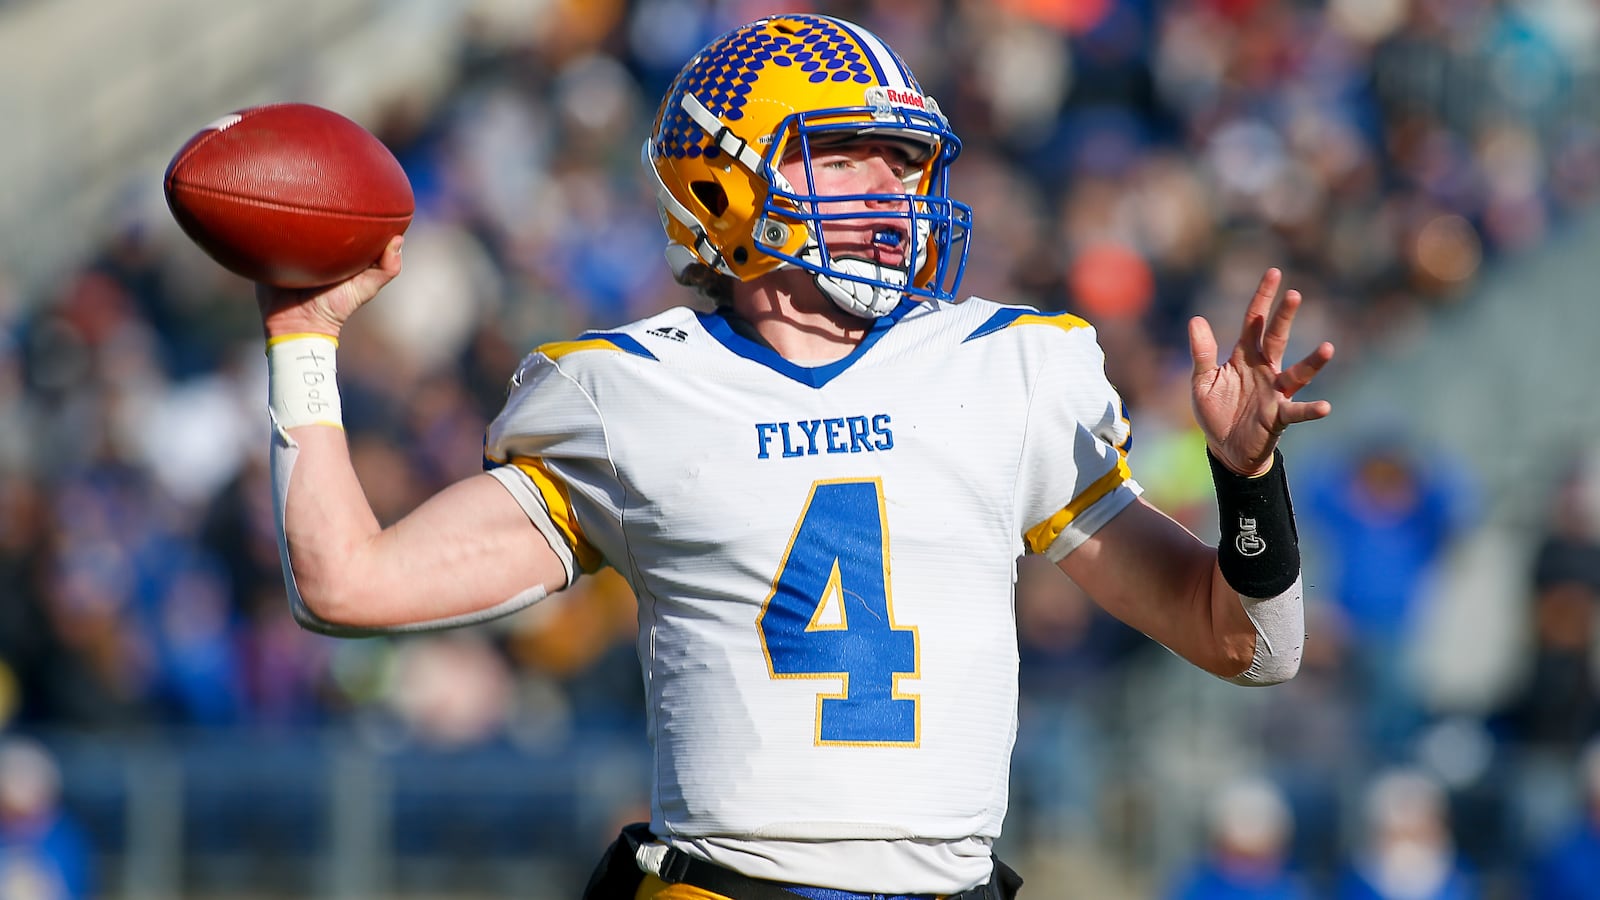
469, 552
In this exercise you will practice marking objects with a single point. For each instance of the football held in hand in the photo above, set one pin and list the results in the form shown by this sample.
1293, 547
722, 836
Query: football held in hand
289, 194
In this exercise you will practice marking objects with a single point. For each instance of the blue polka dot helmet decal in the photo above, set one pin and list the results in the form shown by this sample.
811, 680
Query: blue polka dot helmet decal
770, 91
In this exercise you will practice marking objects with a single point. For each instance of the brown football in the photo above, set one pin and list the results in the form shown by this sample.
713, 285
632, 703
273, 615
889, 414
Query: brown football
289, 194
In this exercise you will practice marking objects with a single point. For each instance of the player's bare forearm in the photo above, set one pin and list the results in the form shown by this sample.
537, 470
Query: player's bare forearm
1158, 577
469, 548
327, 518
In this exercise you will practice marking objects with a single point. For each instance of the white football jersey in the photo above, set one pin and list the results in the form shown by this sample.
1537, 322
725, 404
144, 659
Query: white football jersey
824, 560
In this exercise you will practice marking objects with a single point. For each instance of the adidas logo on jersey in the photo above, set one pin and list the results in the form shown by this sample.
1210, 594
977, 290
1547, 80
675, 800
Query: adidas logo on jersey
670, 333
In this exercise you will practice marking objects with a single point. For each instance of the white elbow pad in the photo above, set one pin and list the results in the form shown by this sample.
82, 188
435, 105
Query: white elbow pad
1280, 637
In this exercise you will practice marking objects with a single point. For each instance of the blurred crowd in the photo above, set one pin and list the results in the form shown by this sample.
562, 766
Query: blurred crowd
1132, 161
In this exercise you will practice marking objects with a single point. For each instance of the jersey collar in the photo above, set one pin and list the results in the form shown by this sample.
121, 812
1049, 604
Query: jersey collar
716, 324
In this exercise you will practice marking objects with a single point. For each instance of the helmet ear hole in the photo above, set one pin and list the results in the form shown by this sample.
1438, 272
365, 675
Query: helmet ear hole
711, 196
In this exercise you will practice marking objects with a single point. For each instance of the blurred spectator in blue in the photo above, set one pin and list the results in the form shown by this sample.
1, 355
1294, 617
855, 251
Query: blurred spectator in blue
1385, 515
43, 853
1568, 868
1405, 849
200, 680
1248, 857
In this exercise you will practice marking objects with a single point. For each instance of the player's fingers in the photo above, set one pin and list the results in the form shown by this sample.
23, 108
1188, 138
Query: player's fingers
390, 260
1202, 345
1275, 338
1302, 373
1309, 411
388, 265
1255, 314
1266, 289
366, 284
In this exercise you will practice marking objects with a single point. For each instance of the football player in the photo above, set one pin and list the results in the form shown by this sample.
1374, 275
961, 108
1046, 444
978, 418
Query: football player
817, 488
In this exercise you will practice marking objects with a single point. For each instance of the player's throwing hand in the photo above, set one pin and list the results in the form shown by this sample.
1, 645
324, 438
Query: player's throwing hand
324, 310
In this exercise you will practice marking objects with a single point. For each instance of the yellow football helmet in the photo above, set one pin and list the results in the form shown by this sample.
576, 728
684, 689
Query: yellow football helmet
768, 91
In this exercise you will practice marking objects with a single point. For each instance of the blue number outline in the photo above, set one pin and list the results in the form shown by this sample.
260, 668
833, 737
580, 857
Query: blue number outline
874, 716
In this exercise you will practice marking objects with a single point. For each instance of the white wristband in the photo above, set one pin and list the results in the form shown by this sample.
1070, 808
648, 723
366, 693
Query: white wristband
302, 380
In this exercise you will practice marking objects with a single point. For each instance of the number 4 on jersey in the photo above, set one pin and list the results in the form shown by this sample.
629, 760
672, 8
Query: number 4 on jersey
829, 616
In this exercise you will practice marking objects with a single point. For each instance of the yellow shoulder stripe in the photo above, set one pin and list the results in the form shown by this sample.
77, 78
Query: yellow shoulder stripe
1006, 318
616, 342
1063, 321
1042, 535
559, 502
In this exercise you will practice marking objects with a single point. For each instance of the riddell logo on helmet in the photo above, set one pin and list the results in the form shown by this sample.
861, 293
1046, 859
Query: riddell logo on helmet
905, 98
884, 101
882, 96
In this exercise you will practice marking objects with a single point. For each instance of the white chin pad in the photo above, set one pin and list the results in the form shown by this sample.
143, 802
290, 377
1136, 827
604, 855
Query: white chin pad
858, 298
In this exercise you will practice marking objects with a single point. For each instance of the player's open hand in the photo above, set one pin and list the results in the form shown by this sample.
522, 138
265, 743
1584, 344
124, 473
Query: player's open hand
1243, 403
324, 310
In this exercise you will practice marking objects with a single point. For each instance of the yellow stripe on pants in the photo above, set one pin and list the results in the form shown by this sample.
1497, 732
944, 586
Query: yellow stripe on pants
653, 888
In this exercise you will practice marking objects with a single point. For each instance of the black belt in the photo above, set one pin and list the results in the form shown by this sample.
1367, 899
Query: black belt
678, 867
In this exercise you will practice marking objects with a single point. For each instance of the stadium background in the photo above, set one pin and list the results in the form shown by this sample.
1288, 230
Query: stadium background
1426, 171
